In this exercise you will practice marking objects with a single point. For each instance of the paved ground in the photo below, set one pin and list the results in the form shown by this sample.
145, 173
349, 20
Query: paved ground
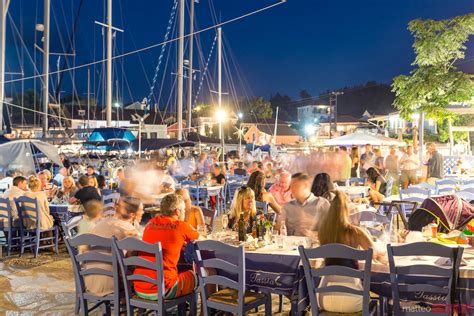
41, 286
45, 286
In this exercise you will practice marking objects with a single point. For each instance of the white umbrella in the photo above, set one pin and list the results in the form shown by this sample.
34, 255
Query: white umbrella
23, 154
360, 139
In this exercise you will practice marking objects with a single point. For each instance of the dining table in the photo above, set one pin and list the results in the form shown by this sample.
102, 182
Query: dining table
276, 270
64, 212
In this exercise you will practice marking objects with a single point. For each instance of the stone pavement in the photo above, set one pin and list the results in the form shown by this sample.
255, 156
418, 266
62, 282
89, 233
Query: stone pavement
45, 286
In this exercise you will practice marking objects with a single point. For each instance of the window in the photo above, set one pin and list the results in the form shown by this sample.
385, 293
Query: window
144, 135
153, 135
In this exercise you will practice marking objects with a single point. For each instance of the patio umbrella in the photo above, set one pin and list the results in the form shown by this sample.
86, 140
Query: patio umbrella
26, 155
360, 139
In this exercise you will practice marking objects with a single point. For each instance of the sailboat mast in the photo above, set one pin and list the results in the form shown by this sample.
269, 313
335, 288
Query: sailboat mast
219, 75
3, 18
190, 64
180, 69
276, 125
46, 24
109, 83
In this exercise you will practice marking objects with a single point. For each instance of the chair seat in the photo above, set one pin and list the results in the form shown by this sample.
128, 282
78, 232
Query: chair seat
230, 297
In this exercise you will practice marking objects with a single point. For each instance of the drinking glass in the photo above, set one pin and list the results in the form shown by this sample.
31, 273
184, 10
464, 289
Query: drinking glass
280, 241
225, 222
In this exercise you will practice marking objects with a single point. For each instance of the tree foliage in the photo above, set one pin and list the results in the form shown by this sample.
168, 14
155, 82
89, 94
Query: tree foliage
257, 107
436, 81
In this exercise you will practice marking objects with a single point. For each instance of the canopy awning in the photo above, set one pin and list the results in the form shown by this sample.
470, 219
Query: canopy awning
27, 154
360, 139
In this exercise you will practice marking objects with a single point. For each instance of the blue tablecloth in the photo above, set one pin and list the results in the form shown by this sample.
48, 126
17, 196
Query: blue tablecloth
61, 213
275, 273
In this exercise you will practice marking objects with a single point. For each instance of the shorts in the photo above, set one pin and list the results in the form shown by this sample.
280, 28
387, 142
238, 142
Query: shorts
186, 283
409, 176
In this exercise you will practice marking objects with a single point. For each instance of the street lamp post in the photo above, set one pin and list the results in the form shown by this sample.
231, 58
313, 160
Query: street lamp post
240, 115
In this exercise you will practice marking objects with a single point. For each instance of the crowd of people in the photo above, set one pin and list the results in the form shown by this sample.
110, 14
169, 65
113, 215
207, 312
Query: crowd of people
306, 205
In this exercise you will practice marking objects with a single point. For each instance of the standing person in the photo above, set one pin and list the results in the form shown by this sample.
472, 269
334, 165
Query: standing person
367, 160
303, 214
355, 159
391, 165
46, 220
257, 183
346, 172
173, 233
120, 226
281, 188
379, 161
409, 164
435, 164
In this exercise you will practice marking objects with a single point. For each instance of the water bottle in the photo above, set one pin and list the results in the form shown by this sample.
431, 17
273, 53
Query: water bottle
283, 231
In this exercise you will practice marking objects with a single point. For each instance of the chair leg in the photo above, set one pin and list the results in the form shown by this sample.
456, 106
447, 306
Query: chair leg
268, 305
56, 240
280, 303
193, 305
77, 306
37, 244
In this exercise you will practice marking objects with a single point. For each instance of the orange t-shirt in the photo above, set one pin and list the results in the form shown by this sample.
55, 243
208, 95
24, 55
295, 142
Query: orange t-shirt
173, 235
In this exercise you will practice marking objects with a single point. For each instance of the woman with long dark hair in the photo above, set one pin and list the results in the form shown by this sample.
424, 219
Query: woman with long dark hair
257, 183
378, 185
322, 186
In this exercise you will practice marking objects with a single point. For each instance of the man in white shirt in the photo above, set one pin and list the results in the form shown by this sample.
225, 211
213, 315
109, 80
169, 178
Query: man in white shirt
303, 214
409, 164
19, 187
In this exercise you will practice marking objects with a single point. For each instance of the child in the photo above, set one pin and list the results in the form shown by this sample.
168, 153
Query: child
92, 214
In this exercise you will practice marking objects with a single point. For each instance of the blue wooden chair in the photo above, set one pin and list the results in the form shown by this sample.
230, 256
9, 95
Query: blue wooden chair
231, 189
129, 263
443, 183
110, 203
446, 276
313, 276
467, 188
30, 227
466, 195
426, 186
70, 227
99, 251
7, 225
234, 296
446, 191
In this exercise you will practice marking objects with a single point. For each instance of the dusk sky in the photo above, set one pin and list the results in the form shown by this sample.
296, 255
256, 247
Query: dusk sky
302, 44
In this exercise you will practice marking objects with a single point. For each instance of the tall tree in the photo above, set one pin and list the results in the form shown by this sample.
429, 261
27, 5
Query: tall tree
258, 107
436, 81
304, 94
